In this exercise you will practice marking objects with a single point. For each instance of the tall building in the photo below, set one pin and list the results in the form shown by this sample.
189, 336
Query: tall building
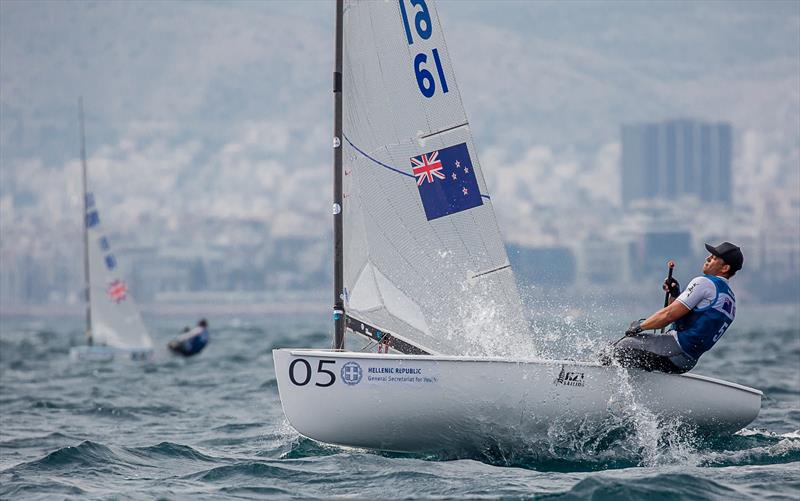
677, 157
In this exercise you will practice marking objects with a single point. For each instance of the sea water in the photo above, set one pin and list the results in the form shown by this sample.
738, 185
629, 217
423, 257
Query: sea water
212, 426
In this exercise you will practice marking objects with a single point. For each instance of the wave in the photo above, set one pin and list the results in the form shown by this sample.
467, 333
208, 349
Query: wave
38, 441
235, 442
302, 447
132, 412
237, 427
91, 456
270, 384
171, 451
249, 469
87, 455
613, 447
752, 448
259, 492
43, 488
664, 486
771, 391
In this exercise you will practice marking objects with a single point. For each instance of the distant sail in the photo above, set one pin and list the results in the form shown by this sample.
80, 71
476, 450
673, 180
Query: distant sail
115, 318
423, 255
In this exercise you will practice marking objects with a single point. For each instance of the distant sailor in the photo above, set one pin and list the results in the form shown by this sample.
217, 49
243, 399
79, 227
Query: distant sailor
192, 341
701, 315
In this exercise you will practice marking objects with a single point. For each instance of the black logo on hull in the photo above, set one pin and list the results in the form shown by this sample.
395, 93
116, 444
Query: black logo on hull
569, 378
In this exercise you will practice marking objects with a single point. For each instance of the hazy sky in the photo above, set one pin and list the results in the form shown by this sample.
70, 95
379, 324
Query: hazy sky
224, 109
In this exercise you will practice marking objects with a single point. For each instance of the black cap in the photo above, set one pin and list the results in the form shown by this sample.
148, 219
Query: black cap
731, 254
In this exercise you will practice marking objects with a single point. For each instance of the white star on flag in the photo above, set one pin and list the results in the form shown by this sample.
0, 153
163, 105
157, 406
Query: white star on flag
465, 191
466, 170
458, 164
454, 176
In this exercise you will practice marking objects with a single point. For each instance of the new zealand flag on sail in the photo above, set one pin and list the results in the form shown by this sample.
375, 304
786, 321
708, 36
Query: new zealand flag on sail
446, 181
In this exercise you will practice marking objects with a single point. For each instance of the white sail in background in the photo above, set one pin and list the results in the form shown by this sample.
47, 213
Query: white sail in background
114, 316
423, 255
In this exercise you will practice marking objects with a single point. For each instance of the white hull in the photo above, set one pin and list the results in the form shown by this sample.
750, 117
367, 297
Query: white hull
109, 353
430, 403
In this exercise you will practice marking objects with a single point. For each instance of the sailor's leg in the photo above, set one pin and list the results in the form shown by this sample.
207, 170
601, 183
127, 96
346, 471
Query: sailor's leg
654, 352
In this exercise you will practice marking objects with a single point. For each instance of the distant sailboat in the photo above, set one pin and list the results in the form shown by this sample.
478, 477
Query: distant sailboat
420, 268
114, 327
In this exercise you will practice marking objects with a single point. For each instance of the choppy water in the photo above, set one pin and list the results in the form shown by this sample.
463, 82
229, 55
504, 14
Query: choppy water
212, 427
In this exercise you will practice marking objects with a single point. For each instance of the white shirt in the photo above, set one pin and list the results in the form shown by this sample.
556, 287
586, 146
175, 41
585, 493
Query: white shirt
189, 335
700, 293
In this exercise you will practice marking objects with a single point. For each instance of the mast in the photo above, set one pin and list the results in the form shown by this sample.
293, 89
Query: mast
87, 287
338, 253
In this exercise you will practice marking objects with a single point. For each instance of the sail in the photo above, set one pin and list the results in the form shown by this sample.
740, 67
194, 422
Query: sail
115, 318
424, 259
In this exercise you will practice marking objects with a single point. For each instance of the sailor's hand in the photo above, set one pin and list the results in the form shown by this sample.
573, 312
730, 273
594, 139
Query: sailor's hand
635, 328
672, 286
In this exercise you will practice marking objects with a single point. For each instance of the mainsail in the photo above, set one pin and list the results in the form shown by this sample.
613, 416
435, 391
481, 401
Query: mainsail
115, 318
424, 259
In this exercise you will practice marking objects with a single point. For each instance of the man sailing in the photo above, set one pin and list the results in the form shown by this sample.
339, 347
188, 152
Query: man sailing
701, 315
192, 341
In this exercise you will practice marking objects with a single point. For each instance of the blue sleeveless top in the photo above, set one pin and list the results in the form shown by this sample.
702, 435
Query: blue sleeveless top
194, 344
699, 329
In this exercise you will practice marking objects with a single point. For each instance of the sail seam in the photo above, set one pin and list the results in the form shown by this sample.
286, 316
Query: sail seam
389, 166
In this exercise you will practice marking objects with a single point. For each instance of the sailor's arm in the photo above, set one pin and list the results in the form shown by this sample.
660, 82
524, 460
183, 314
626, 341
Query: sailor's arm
189, 335
665, 316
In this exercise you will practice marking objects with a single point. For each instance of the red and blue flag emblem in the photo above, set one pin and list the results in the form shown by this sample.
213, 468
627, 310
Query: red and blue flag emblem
117, 291
446, 181
426, 167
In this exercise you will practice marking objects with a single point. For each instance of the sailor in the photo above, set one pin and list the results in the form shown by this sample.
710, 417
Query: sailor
700, 316
191, 342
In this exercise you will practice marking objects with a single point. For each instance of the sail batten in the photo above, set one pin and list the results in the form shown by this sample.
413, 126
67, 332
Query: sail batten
420, 231
426, 136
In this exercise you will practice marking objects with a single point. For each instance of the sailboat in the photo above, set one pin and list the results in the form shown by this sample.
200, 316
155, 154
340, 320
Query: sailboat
114, 326
421, 273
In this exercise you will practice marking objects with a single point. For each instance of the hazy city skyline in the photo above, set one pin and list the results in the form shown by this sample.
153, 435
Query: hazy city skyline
206, 115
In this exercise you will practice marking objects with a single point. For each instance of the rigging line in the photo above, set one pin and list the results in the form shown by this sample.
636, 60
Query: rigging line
389, 166
376, 161
492, 271
368, 347
444, 130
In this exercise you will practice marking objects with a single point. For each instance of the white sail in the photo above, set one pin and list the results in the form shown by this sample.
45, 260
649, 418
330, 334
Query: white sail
114, 316
423, 255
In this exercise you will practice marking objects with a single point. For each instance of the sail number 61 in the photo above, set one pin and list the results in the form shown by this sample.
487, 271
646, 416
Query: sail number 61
424, 29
